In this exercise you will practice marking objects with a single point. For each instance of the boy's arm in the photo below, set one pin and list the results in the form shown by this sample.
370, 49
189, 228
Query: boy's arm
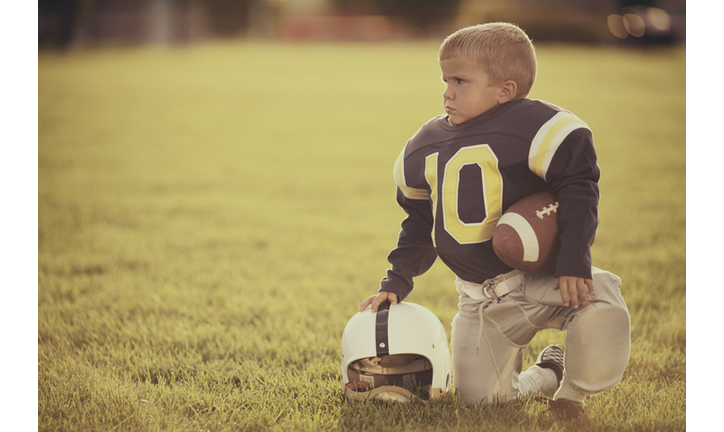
573, 175
415, 252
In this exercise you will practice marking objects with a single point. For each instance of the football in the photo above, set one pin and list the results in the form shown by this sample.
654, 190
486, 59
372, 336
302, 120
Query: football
526, 236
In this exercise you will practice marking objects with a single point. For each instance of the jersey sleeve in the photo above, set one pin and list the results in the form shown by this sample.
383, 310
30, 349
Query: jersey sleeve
415, 252
563, 154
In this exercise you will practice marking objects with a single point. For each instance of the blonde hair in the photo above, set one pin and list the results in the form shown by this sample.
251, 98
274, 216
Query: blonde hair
503, 51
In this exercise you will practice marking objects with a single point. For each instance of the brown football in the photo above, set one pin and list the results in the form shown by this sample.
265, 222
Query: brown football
526, 236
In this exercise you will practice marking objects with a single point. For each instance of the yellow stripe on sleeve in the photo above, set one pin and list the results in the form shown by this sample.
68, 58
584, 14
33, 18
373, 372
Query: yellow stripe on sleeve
399, 174
549, 138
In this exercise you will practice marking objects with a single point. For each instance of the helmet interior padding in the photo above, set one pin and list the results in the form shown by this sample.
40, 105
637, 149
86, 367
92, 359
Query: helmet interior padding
409, 371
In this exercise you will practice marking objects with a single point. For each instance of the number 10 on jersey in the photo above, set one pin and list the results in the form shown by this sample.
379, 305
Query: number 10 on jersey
482, 156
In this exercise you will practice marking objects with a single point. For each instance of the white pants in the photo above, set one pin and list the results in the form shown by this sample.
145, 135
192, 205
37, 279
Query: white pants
487, 363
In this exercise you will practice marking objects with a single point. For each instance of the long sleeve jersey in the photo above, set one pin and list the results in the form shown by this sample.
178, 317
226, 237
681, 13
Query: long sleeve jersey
455, 182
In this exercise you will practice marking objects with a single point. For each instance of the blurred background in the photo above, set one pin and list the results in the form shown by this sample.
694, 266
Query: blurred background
64, 24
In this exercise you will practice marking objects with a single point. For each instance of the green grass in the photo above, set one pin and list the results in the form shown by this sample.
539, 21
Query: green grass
210, 217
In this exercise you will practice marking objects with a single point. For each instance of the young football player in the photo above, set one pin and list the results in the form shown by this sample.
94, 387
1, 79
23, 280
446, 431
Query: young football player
456, 176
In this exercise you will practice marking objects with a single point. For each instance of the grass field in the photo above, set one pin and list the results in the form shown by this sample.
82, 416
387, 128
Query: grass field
210, 217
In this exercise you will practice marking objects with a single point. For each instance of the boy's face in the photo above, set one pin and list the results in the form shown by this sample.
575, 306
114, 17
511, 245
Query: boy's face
467, 92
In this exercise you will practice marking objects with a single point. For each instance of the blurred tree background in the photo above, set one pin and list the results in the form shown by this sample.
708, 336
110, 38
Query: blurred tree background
57, 20
78, 23
422, 15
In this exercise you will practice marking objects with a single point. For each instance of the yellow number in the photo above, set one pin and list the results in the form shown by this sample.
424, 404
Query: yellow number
483, 157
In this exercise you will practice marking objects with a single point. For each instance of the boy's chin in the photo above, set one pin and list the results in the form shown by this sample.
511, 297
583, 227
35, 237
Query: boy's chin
455, 119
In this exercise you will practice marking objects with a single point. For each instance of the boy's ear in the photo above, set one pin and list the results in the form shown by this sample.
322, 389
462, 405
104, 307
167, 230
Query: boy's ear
508, 91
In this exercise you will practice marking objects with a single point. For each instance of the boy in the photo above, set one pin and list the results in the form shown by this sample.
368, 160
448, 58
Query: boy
456, 176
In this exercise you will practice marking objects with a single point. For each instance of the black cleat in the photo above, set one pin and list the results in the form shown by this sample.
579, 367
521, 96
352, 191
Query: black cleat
564, 409
552, 358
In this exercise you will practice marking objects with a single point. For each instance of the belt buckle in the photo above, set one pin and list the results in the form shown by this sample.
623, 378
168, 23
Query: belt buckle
489, 288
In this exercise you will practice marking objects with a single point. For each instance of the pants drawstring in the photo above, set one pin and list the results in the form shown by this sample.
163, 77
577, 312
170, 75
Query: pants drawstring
488, 288
481, 317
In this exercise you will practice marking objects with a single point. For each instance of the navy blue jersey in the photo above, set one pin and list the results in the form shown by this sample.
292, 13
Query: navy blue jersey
455, 181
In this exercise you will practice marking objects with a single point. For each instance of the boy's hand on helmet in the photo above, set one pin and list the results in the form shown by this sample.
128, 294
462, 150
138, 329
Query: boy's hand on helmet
376, 300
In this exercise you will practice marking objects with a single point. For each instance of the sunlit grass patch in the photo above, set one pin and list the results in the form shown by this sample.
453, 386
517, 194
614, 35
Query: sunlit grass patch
211, 217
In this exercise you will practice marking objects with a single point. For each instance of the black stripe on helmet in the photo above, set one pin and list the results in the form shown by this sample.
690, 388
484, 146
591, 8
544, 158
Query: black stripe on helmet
381, 342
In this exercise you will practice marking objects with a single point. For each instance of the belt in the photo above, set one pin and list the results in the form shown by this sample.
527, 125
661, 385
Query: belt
492, 288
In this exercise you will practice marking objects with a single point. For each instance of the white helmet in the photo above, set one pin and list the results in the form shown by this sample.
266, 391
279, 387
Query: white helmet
399, 353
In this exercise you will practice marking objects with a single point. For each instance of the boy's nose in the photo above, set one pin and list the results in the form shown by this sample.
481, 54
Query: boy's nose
447, 94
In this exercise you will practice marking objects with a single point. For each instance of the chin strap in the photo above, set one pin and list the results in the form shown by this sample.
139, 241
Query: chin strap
391, 394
